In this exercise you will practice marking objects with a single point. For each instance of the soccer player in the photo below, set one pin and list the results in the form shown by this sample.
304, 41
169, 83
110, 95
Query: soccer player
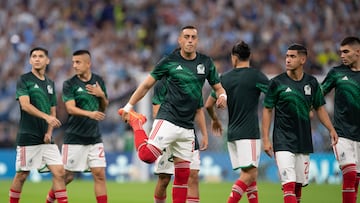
37, 98
293, 94
186, 71
345, 78
85, 100
243, 86
164, 166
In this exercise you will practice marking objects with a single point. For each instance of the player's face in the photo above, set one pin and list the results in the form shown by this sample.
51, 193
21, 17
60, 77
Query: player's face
294, 60
39, 60
188, 40
81, 64
349, 54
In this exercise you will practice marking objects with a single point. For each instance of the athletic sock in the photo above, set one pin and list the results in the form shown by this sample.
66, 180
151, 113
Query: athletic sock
140, 138
252, 193
349, 181
237, 191
50, 197
61, 196
159, 199
289, 192
298, 188
14, 196
192, 199
101, 199
180, 186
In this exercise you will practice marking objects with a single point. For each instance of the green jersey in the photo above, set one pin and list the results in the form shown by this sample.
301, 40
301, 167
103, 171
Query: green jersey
185, 79
243, 87
80, 129
293, 101
347, 100
42, 96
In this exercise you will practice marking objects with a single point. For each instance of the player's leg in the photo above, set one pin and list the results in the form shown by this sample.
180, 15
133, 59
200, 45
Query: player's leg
27, 158
97, 164
164, 168
302, 166
357, 159
286, 165
345, 152
54, 162
244, 154
193, 194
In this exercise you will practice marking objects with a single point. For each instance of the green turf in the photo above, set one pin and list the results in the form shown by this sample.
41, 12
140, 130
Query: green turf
82, 191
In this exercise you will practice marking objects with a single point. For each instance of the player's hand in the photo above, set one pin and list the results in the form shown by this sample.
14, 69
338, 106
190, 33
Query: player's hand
47, 138
221, 103
216, 127
268, 148
204, 143
97, 115
334, 137
95, 90
53, 121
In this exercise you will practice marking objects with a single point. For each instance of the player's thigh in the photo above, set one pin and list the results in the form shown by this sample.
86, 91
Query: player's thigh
75, 157
165, 163
183, 146
97, 156
285, 162
302, 168
346, 151
28, 158
162, 134
357, 158
51, 154
244, 153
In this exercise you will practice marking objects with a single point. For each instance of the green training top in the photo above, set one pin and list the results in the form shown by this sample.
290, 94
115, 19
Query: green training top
347, 100
80, 129
243, 87
185, 79
42, 96
293, 101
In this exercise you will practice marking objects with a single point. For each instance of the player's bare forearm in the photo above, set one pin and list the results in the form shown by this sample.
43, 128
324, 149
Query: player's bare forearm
141, 91
266, 120
215, 123
200, 120
325, 120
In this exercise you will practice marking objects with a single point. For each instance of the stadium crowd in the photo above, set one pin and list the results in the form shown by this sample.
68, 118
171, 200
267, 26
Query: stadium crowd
128, 37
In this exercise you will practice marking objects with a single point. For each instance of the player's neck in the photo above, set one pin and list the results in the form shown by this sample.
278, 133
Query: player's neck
39, 73
355, 66
242, 64
296, 74
188, 55
85, 77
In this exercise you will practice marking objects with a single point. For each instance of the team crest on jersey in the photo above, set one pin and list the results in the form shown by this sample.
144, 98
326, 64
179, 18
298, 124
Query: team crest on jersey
307, 89
200, 69
50, 89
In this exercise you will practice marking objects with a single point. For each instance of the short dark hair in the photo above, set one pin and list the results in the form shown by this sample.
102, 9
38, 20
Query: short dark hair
301, 49
81, 52
350, 40
188, 27
39, 49
241, 50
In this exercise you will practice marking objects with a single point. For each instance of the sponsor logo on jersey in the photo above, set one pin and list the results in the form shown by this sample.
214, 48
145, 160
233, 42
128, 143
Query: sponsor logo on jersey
36, 86
288, 90
200, 69
79, 89
307, 89
179, 67
345, 78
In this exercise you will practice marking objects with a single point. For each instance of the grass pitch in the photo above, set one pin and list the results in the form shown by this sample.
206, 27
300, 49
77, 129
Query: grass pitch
82, 191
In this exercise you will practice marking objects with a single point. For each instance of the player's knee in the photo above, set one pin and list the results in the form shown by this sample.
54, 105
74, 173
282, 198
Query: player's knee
349, 172
149, 153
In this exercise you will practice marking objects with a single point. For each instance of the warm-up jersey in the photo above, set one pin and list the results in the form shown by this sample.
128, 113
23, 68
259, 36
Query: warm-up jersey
185, 79
159, 97
243, 87
293, 101
347, 100
42, 96
80, 129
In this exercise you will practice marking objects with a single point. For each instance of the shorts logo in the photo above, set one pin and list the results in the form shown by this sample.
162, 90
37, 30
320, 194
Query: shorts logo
200, 69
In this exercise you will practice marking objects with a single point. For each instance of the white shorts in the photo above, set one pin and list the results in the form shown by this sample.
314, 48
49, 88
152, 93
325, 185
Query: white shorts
165, 163
180, 141
37, 157
293, 167
244, 153
80, 158
347, 152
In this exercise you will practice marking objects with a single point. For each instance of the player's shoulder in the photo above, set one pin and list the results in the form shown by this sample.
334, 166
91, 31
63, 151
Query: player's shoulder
339, 68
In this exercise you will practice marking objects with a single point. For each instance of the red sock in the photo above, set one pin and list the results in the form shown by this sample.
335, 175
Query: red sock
148, 153
192, 200
298, 187
349, 181
289, 192
180, 186
140, 138
101, 199
237, 191
252, 193
50, 197
160, 199
14, 196
61, 196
